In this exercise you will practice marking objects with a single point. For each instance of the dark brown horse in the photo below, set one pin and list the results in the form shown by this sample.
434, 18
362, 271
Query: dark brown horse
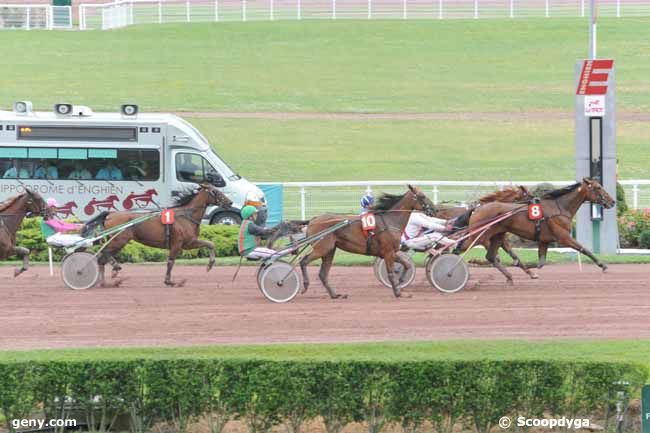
392, 213
559, 207
12, 213
184, 233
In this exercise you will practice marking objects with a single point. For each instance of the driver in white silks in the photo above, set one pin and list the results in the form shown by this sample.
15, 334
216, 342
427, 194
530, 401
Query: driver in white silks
423, 231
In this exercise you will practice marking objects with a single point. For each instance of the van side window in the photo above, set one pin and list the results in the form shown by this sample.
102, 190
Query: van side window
191, 167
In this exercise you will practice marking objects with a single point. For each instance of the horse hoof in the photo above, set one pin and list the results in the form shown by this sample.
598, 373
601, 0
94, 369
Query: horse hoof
604, 267
210, 266
510, 282
18, 271
534, 276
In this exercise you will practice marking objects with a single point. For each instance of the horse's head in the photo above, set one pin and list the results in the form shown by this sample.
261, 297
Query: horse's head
151, 192
214, 196
421, 201
595, 193
35, 205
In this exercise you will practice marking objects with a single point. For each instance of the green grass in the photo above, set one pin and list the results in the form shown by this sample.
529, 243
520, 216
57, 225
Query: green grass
322, 150
359, 66
636, 351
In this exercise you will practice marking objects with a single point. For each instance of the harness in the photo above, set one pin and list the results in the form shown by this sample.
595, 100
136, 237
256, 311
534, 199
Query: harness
374, 233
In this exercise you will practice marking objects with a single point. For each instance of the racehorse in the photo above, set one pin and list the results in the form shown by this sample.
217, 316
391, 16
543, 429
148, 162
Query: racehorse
558, 207
12, 213
461, 215
183, 233
392, 213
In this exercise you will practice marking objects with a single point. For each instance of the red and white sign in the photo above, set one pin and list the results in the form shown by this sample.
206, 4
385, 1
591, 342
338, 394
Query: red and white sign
167, 216
594, 77
368, 222
535, 212
594, 105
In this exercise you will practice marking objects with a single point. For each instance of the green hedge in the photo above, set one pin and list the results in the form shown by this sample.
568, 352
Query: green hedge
223, 237
473, 394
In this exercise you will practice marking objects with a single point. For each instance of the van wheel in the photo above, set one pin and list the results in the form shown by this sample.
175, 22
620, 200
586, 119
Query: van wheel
226, 218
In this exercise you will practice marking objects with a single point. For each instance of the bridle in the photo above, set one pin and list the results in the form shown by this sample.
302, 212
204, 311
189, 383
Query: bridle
426, 207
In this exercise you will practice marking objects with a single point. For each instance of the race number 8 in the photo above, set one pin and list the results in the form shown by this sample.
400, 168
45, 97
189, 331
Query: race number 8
535, 212
368, 222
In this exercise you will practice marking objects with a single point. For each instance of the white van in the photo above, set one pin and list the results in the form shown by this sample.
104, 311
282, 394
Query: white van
92, 162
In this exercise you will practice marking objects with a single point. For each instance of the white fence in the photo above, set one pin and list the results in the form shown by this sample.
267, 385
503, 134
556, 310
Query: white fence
93, 16
27, 17
304, 200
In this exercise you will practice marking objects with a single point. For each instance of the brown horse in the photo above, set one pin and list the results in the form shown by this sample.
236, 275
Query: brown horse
558, 207
392, 213
519, 194
12, 213
183, 234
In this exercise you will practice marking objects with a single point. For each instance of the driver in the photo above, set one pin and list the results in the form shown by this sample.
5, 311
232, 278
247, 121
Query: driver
250, 234
423, 231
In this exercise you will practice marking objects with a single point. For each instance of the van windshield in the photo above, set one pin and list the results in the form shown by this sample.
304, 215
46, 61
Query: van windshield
223, 167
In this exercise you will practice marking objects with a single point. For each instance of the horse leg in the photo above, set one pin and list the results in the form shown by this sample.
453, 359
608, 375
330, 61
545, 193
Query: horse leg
199, 243
174, 251
23, 253
493, 258
405, 264
503, 243
389, 260
325, 267
567, 240
319, 250
115, 265
541, 254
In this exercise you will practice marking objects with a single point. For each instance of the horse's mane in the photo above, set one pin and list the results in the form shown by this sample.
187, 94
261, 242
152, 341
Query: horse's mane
11, 200
562, 191
386, 201
506, 195
184, 197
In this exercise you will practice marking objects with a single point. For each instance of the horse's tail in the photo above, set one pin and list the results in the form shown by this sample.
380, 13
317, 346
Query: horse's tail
462, 220
95, 224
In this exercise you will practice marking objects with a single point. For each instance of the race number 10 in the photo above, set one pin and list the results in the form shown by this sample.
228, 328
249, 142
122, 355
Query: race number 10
368, 222
535, 212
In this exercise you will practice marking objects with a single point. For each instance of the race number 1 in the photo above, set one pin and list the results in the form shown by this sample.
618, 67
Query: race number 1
535, 211
167, 216
368, 222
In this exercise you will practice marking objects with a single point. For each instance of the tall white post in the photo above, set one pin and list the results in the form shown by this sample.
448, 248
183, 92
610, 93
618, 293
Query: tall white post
436, 193
333, 9
302, 203
546, 8
635, 196
131, 20
475, 9
216, 10
187, 11
439, 9
160, 13
299, 9
28, 17
618, 8
243, 10
404, 10
369, 9
592, 29
512, 8
582, 8
271, 11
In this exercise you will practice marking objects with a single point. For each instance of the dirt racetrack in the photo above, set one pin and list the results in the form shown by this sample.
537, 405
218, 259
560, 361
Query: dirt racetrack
36, 311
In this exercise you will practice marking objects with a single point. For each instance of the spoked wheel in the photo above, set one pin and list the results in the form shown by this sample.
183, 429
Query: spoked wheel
448, 273
80, 270
381, 273
279, 282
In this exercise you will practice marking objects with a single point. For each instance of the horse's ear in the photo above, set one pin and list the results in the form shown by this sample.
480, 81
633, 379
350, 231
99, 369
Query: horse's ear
413, 189
587, 180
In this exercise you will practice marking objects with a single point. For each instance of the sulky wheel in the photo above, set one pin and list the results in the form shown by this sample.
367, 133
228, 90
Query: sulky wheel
448, 273
279, 282
398, 270
80, 270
